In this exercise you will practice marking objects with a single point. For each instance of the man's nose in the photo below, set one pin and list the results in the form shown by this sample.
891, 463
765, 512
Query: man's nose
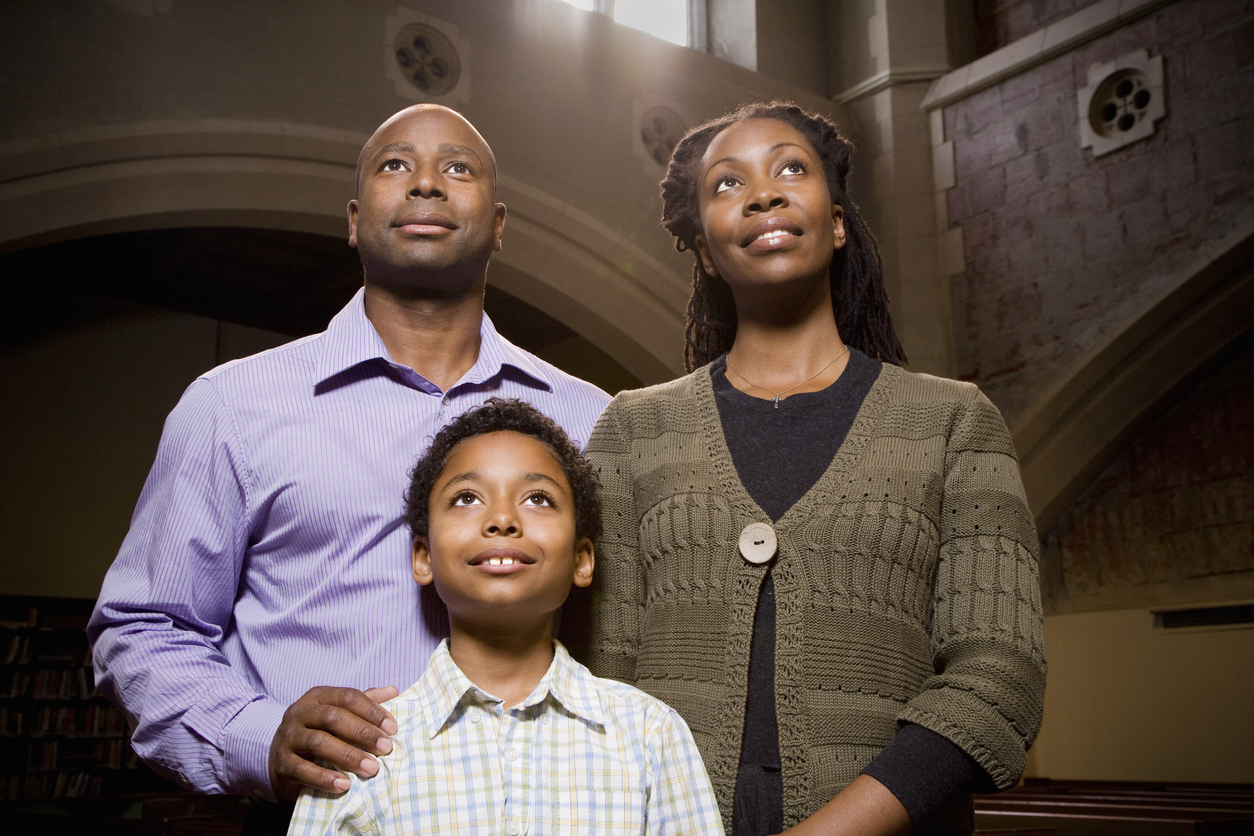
426, 183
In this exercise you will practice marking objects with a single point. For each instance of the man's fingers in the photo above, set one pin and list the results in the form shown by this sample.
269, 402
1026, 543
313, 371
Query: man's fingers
324, 748
366, 708
380, 695
341, 727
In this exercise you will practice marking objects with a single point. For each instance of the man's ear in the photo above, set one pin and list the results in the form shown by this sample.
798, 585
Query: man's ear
500, 227
422, 562
352, 222
585, 561
703, 253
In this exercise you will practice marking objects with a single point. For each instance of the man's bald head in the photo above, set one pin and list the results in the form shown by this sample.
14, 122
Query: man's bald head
417, 112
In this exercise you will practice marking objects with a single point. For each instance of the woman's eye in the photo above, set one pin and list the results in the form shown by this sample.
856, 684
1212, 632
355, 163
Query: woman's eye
724, 184
793, 168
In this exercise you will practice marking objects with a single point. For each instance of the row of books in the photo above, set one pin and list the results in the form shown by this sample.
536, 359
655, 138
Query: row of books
43, 787
50, 756
50, 684
62, 721
44, 647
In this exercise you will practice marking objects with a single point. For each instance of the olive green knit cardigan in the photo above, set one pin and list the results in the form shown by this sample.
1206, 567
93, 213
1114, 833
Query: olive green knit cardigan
906, 583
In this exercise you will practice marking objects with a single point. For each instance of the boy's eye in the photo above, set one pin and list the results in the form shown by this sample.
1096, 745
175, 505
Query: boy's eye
539, 499
464, 498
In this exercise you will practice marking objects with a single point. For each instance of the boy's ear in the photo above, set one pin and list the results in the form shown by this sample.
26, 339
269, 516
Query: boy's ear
422, 561
585, 560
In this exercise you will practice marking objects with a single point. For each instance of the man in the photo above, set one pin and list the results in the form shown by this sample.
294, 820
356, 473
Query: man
267, 551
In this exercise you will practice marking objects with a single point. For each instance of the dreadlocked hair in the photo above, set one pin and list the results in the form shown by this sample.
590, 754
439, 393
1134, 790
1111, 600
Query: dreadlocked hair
859, 299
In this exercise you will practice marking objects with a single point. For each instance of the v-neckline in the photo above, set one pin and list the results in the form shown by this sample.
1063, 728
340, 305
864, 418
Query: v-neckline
846, 458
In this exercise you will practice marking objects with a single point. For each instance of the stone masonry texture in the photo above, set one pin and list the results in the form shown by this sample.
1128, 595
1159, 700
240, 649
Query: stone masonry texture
999, 22
1061, 248
1175, 507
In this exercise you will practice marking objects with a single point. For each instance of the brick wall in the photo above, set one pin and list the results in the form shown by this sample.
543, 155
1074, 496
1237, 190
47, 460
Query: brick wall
998, 22
1175, 511
1062, 247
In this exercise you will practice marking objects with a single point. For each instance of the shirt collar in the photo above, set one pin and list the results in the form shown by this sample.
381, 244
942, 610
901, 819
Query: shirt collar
568, 682
350, 340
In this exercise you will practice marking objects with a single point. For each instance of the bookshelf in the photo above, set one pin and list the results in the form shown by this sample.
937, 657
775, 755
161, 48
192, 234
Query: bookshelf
59, 739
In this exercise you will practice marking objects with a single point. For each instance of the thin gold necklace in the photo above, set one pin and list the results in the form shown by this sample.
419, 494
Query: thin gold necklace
777, 395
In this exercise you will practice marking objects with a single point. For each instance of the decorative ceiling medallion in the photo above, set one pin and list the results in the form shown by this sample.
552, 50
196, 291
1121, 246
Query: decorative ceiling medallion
427, 59
660, 131
1122, 102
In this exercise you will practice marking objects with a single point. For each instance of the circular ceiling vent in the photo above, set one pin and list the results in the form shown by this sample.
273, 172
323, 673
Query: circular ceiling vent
427, 59
1120, 103
660, 131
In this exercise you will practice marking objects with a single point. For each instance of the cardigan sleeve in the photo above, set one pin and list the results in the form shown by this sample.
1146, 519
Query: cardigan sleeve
988, 649
618, 579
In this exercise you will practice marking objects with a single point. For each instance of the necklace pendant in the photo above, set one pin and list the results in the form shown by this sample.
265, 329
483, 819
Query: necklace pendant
777, 401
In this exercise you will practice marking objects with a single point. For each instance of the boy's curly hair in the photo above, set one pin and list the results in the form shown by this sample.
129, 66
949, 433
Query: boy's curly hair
859, 299
500, 415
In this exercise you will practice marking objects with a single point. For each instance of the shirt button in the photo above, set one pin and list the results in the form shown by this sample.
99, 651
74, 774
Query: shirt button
474, 717
758, 543
445, 400
544, 719
511, 754
511, 827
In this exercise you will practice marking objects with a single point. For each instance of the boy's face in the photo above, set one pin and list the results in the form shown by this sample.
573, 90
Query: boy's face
501, 546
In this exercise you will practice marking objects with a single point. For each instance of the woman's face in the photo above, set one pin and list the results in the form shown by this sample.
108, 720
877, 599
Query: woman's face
766, 213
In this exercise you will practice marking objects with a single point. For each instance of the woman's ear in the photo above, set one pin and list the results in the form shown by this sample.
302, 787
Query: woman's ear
422, 562
585, 560
838, 225
703, 253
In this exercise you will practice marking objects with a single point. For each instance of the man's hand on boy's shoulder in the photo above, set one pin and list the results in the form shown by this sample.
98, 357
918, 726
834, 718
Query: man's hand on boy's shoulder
338, 726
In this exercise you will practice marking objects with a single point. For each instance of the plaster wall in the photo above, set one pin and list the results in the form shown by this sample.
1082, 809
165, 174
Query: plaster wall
1130, 702
88, 383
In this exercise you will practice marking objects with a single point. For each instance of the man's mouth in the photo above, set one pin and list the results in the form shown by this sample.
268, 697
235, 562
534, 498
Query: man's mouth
424, 223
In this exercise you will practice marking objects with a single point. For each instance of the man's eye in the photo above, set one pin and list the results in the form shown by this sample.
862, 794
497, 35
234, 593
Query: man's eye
725, 183
459, 168
393, 165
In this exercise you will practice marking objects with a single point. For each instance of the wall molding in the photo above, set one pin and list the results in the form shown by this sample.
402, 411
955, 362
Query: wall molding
1059, 37
219, 172
888, 78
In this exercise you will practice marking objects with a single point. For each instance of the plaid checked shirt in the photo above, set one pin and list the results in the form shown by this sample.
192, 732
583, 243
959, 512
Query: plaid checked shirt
579, 755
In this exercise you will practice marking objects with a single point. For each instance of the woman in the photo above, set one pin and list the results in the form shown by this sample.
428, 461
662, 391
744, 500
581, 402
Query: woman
824, 562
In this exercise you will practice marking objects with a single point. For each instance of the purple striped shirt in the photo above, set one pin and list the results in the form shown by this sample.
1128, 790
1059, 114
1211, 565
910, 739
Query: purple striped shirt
267, 553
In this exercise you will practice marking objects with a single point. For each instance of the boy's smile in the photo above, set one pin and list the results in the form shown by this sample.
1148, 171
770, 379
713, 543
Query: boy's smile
501, 546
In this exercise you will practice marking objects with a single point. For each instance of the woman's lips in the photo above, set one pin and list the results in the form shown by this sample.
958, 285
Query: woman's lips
770, 234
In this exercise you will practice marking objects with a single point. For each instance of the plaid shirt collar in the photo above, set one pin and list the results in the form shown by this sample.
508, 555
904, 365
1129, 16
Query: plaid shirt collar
446, 690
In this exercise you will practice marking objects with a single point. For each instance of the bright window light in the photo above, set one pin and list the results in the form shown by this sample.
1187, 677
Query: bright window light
665, 19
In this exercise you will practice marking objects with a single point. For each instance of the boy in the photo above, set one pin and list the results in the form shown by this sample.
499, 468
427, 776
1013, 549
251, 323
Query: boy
504, 732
